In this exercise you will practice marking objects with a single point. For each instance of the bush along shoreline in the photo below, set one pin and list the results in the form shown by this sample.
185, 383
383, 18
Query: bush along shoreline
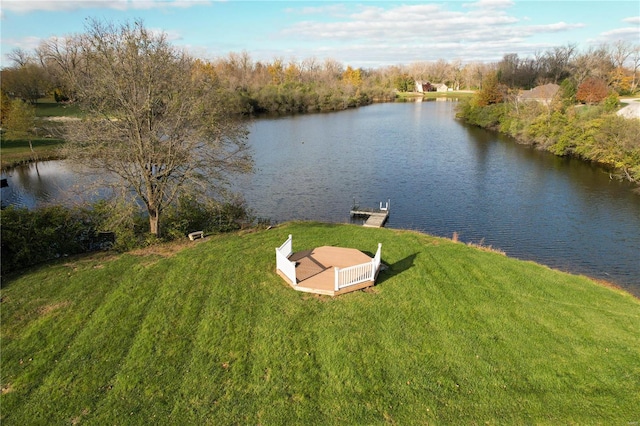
34, 237
592, 133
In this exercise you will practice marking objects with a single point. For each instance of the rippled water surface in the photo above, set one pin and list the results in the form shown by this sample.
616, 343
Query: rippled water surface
441, 177
444, 177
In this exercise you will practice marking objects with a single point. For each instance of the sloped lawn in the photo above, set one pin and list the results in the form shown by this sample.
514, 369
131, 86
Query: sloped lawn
211, 335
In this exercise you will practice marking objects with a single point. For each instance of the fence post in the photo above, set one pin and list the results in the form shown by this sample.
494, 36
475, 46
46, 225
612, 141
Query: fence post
373, 269
337, 275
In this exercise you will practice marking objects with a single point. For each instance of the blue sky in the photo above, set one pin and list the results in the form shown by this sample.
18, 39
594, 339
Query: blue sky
361, 33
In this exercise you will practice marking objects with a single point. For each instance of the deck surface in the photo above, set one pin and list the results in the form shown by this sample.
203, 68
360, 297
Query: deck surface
375, 218
315, 269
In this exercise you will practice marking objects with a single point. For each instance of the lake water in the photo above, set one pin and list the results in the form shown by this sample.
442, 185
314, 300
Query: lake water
441, 177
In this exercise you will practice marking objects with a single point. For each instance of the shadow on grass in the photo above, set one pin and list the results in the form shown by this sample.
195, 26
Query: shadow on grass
396, 268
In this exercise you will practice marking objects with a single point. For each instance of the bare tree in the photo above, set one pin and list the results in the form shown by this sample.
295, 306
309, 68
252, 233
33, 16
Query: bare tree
20, 57
620, 52
62, 58
310, 68
555, 63
594, 62
154, 122
635, 66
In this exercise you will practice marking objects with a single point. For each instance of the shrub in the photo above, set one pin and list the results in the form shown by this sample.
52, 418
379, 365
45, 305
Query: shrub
189, 215
611, 102
592, 91
30, 237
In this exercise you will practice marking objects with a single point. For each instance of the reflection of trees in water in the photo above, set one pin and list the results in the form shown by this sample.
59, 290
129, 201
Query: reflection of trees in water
52, 182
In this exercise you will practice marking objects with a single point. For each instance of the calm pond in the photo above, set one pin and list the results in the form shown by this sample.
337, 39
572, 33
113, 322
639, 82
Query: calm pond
441, 177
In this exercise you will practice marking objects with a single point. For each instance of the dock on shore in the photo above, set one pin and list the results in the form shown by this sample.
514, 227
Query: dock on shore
374, 218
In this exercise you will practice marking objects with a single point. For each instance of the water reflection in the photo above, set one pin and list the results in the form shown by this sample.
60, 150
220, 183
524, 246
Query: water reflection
441, 176
50, 182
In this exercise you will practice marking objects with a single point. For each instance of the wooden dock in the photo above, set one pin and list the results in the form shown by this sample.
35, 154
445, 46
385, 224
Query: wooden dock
374, 218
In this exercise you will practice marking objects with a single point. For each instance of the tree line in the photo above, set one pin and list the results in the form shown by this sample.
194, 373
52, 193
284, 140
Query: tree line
169, 126
310, 84
579, 120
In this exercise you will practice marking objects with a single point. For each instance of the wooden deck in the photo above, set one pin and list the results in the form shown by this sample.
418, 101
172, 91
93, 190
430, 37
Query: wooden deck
315, 269
374, 218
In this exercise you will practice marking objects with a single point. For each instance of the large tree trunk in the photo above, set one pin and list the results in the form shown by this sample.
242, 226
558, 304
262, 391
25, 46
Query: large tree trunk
154, 221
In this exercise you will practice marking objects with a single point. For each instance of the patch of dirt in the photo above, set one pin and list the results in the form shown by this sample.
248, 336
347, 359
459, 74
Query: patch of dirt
6, 388
318, 297
100, 258
62, 119
47, 309
76, 420
166, 249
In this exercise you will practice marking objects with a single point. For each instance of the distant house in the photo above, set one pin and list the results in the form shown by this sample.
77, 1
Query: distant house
425, 86
543, 94
441, 87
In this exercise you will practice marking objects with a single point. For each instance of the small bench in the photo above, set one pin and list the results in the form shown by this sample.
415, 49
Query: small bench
197, 234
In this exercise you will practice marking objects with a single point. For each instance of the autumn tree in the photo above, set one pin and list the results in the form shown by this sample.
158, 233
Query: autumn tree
352, 76
492, 92
20, 122
592, 91
276, 71
152, 121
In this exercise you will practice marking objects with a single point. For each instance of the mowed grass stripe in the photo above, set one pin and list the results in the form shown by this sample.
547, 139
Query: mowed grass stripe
80, 378
244, 346
153, 368
449, 335
42, 315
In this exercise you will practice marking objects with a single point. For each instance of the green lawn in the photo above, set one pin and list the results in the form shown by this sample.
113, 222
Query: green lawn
17, 152
435, 95
49, 108
211, 335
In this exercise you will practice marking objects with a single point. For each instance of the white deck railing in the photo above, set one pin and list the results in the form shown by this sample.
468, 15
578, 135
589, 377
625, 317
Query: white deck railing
376, 261
352, 275
283, 263
344, 277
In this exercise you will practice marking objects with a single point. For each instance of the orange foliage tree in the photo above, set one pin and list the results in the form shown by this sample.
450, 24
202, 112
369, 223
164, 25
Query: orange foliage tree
592, 91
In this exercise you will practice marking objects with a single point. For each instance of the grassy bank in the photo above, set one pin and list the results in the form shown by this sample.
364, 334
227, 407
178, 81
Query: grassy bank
18, 152
434, 95
211, 335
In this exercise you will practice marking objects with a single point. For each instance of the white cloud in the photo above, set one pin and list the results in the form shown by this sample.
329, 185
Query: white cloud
407, 22
626, 34
490, 4
331, 9
27, 43
631, 34
376, 35
26, 6
554, 28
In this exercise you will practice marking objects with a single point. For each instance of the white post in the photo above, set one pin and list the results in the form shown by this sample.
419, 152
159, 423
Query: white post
377, 260
337, 274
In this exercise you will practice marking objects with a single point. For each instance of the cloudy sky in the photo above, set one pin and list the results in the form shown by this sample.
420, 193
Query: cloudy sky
360, 33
